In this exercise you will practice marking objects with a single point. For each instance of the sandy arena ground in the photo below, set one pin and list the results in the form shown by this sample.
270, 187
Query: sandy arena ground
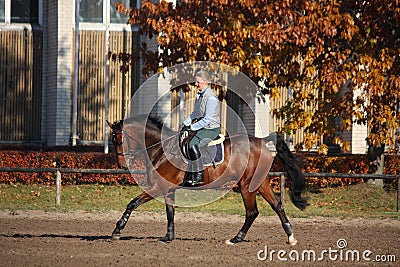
37, 238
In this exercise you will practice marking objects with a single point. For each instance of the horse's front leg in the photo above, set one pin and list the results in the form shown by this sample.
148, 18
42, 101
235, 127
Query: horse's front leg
169, 204
136, 202
250, 204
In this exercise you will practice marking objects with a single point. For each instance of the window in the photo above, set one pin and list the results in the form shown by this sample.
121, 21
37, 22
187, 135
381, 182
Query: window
2, 11
20, 11
116, 17
25, 11
93, 11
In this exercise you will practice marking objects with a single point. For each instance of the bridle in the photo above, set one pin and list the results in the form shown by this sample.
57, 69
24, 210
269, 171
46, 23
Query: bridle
115, 142
114, 134
132, 152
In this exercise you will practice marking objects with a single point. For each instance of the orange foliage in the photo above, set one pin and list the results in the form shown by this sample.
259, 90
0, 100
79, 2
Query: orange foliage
99, 160
79, 160
346, 52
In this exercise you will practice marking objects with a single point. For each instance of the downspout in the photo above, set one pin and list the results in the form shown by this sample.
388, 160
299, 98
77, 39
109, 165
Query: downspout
75, 137
106, 93
289, 96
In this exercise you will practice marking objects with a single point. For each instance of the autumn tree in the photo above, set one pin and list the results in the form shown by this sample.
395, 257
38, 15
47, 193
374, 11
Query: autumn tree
340, 58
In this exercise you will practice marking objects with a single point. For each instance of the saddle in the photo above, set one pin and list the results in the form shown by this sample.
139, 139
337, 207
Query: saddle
212, 154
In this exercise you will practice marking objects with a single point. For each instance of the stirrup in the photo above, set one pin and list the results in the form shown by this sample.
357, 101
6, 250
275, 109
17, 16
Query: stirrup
191, 181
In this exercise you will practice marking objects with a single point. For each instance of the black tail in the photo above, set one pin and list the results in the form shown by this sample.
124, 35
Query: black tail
293, 171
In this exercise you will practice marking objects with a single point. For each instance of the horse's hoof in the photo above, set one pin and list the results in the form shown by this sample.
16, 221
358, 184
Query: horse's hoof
233, 241
237, 239
116, 237
165, 240
292, 241
229, 242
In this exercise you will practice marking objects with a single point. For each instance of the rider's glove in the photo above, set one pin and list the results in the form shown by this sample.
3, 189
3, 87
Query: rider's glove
185, 128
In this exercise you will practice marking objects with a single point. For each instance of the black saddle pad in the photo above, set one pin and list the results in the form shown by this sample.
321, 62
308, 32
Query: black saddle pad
212, 155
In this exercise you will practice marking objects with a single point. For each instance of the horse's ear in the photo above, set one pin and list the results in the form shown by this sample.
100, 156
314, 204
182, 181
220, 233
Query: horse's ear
121, 122
109, 124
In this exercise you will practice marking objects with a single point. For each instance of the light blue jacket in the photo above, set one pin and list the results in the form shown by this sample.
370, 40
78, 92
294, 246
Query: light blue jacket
207, 109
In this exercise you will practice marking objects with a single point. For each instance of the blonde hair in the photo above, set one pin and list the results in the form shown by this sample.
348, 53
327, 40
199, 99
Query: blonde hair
204, 75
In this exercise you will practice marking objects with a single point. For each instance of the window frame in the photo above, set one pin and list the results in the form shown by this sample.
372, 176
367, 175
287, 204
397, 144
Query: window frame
7, 16
106, 22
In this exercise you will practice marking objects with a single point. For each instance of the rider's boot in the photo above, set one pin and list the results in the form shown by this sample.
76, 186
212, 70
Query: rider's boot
194, 176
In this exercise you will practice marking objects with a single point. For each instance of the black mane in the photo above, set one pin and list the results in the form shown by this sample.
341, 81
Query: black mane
157, 122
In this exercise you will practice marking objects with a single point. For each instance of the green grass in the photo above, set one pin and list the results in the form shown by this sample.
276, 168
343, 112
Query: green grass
360, 200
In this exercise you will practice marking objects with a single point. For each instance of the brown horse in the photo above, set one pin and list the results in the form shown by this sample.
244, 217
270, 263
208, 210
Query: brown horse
165, 174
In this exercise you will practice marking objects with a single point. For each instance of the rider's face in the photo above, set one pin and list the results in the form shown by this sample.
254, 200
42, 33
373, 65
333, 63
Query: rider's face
201, 84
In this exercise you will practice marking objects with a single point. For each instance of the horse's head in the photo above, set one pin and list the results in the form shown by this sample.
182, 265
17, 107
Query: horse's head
139, 132
116, 138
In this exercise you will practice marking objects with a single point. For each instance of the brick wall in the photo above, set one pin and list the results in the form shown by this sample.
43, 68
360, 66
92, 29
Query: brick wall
57, 111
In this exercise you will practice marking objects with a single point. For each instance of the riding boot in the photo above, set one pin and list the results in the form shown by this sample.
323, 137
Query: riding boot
187, 180
198, 168
194, 175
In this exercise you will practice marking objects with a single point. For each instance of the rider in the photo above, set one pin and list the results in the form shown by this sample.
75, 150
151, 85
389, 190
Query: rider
205, 121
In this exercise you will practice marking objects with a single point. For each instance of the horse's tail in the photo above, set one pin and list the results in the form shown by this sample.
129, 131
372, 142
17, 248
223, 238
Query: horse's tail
293, 171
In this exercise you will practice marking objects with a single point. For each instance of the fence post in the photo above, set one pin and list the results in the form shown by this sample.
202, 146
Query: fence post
398, 194
283, 190
58, 188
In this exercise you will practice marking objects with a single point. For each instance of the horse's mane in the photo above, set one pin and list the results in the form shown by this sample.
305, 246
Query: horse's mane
157, 122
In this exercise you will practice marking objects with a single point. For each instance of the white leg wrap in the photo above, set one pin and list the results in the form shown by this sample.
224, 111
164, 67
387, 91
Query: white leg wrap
291, 240
228, 242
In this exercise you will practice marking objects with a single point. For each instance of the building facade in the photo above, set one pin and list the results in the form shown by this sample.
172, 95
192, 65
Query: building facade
58, 87
45, 96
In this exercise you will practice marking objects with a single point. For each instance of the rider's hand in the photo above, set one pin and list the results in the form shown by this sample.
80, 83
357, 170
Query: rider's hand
185, 128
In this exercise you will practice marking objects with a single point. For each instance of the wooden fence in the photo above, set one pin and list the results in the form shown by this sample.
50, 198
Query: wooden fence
59, 171
92, 79
21, 62
20, 85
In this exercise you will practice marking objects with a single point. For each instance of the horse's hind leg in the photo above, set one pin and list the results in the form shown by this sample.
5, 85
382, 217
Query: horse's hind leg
250, 204
276, 204
136, 202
